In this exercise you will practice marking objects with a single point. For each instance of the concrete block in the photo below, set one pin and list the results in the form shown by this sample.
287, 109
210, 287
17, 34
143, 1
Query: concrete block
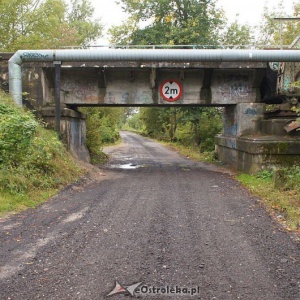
273, 127
253, 154
243, 119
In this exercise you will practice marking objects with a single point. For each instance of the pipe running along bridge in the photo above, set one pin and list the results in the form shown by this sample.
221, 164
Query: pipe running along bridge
241, 81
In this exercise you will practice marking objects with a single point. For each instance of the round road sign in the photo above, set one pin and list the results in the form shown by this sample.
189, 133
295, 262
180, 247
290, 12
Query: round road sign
171, 90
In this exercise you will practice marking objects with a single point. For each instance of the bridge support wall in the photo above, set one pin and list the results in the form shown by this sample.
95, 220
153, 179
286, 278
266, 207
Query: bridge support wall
72, 128
249, 143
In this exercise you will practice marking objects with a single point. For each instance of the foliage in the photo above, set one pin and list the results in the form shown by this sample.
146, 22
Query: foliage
17, 131
36, 24
102, 128
237, 34
265, 174
270, 28
156, 121
292, 179
203, 124
193, 127
132, 122
284, 201
80, 18
177, 22
33, 163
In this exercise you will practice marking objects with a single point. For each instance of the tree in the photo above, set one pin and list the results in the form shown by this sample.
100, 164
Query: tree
237, 34
36, 24
270, 29
175, 22
154, 121
80, 18
102, 126
204, 124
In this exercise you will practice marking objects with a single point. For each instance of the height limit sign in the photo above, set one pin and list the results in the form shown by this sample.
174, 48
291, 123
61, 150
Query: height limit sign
171, 90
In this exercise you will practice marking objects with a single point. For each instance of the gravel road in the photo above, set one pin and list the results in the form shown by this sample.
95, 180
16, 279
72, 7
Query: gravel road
155, 218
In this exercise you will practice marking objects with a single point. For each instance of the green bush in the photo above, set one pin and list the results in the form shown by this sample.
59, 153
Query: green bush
265, 174
194, 127
32, 159
17, 130
101, 129
292, 178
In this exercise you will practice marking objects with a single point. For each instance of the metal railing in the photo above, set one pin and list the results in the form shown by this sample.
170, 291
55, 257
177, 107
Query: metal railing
205, 47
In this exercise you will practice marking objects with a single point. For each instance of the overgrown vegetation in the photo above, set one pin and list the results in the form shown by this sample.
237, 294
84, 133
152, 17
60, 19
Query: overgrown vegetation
102, 129
282, 198
33, 162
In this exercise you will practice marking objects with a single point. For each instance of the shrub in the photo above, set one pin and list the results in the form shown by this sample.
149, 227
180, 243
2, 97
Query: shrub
17, 130
32, 159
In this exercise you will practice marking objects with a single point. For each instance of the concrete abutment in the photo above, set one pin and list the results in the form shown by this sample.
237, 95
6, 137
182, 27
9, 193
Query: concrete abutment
72, 130
250, 143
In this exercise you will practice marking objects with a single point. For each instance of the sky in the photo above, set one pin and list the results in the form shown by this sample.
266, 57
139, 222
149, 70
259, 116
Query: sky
248, 11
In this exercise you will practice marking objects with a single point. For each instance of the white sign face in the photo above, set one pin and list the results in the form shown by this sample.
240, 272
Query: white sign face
171, 90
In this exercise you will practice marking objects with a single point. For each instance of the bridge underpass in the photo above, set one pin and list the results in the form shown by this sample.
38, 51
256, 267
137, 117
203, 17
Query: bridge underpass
61, 80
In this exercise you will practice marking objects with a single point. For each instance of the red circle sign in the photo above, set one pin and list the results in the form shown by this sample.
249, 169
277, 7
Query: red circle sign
171, 90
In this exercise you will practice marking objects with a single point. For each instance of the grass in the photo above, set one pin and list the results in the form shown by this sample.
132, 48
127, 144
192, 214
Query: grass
34, 164
26, 186
17, 203
194, 154
283, 201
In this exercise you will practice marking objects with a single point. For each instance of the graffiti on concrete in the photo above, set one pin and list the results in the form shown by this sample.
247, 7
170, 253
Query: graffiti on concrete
234, 86
92, 99
251, 112
33, 74
231, 130
146, 97
80, 90
127, 97
35, 55
111, 97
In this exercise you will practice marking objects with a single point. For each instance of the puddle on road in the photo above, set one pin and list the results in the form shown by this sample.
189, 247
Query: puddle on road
125, 166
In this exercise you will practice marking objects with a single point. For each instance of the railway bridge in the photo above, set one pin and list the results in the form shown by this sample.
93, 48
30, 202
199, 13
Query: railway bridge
243, 82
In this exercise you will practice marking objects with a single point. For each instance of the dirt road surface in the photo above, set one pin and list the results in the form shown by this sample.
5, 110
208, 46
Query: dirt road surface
158, 219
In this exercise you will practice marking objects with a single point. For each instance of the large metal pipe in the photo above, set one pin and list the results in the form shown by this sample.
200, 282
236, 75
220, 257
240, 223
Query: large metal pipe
143, 55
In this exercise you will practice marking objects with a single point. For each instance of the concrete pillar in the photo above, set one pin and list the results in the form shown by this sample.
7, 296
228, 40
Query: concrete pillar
242, 119
73, 130
243, 147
